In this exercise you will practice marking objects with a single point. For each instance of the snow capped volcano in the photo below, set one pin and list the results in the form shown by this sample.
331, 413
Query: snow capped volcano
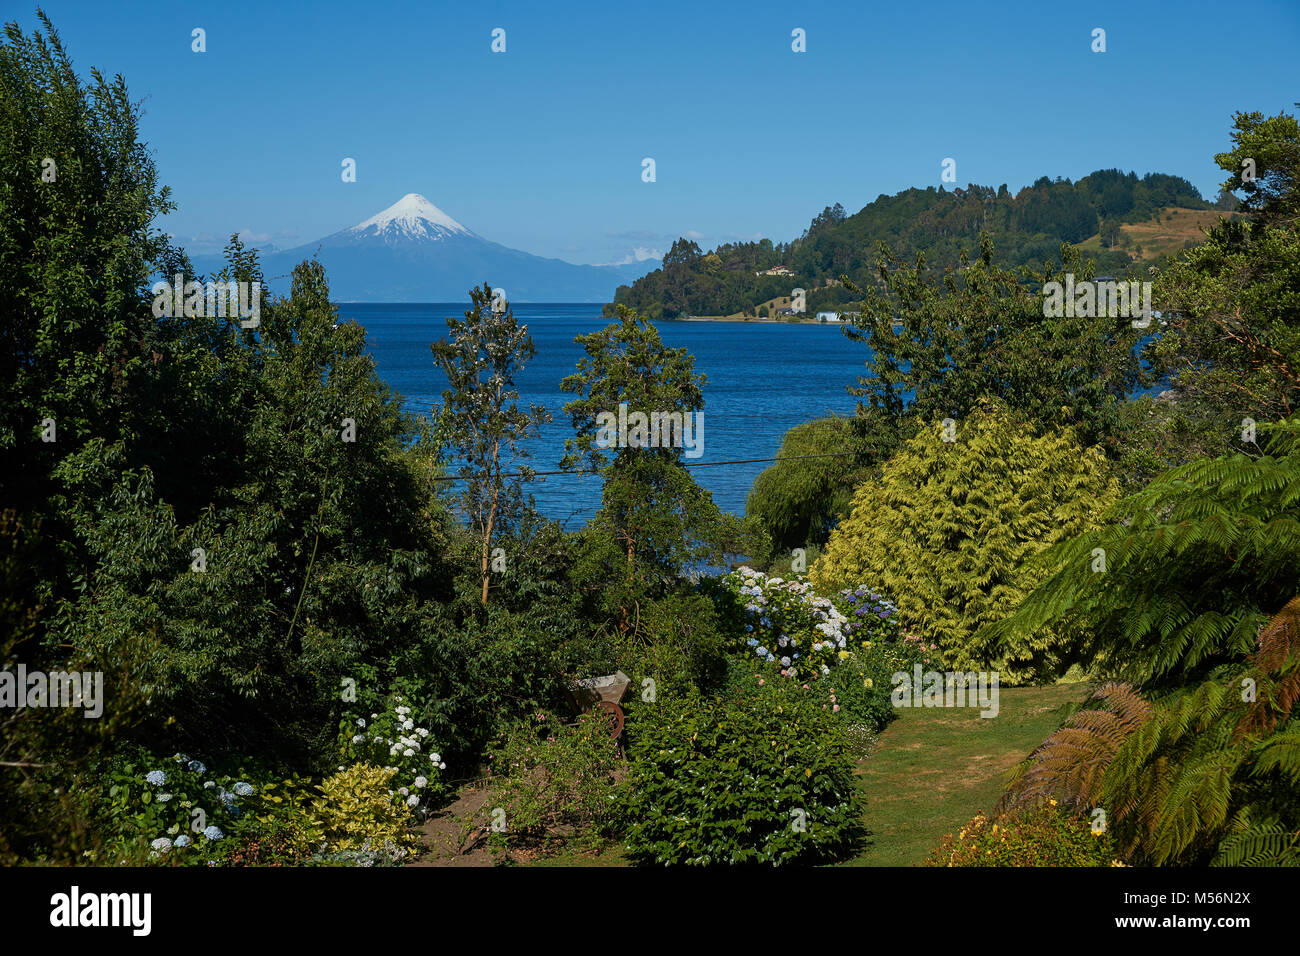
415, 252
411, 217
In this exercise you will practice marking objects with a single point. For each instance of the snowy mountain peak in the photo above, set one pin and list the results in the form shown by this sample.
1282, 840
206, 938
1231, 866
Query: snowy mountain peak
412, 217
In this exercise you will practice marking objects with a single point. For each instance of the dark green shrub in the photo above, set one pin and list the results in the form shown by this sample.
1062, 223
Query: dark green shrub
765, 777
678, 645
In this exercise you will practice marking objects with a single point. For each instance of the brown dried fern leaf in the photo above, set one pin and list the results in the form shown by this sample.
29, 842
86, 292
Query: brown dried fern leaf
1277, 677
1069, 765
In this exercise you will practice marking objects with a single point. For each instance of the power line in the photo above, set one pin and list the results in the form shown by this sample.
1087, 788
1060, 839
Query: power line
684, 464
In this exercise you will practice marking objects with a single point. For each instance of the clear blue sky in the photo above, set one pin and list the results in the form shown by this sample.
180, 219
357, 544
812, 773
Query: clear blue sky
540, 148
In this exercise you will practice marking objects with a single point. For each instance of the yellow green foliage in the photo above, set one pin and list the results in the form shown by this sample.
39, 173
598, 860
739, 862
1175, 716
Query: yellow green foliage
357, 805
949, 528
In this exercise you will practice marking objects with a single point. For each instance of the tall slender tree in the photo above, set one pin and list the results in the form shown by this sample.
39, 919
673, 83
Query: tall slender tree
483, 421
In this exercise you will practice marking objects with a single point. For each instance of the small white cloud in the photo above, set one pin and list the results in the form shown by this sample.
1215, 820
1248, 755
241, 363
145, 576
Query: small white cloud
639, 254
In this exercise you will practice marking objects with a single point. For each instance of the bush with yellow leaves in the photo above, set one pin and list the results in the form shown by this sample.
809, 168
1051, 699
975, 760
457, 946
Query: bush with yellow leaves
358, 809
952, 524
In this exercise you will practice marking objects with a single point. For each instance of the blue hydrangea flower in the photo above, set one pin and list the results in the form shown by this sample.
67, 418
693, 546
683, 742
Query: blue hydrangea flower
244, 789
196, 766
161, 845
156, 778
213, 832
181, 840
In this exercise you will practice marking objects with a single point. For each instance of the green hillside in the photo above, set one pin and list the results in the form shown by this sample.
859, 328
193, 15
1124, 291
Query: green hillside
1026, 227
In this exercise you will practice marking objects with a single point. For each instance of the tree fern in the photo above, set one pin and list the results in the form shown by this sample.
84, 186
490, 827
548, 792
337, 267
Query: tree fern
1204, 773
1270, 845
1182, 575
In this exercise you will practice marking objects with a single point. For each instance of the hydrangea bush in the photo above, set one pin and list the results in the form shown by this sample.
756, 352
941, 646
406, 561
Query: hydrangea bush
175, 805
392, 740
787, 624
857, 690
871, 616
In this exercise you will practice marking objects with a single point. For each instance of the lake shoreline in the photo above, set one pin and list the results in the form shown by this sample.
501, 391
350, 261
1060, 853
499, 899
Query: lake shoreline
751, 321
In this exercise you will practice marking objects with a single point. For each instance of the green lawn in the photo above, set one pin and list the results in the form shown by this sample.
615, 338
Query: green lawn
935, 768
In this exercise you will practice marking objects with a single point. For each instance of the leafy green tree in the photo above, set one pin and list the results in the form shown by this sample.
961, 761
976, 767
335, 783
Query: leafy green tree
654, 520
1110, 232
797, 502
483, 422
1264, 164
940, 345
1232, 344
950, 526
311, 569
76, 340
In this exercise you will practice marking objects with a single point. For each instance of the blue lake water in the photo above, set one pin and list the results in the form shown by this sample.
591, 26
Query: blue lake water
763, 379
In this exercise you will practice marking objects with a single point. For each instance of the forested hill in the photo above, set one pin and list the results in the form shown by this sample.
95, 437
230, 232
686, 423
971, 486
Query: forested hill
1027, 227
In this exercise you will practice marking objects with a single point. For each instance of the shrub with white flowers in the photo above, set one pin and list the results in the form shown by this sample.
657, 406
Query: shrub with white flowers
787, 624
392, 740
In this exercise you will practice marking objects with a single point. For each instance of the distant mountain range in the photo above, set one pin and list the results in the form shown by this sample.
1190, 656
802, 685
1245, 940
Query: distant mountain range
415, 252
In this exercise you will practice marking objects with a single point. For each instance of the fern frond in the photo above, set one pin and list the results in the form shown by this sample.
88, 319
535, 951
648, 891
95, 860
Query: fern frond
1271, 845
1071, 763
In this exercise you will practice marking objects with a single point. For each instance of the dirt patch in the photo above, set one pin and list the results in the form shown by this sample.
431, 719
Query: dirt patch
444, 839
